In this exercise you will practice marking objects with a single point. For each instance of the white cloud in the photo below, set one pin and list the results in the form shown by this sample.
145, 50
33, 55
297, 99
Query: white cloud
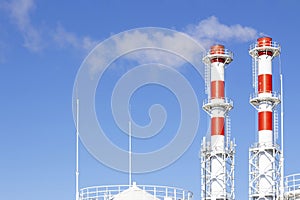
147, 45
19, 11
210, 31
64, 39
162, 46
35, 38
206, 32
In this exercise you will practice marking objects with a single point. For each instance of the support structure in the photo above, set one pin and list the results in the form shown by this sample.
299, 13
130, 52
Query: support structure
217, 150
264, 156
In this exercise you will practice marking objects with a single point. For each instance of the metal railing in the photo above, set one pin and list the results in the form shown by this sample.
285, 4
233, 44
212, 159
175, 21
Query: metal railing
224, 52
224, 100
267, 145
273, 94
158, 192
272, 44
272, 98
292, 186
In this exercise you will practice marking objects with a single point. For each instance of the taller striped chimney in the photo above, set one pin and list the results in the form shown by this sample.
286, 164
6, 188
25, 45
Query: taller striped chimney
263, 165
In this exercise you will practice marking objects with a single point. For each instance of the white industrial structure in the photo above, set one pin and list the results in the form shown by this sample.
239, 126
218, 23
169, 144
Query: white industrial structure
266, 161
265, 172
217, 150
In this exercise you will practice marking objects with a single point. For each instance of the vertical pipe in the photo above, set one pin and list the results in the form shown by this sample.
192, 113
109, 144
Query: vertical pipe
282, 137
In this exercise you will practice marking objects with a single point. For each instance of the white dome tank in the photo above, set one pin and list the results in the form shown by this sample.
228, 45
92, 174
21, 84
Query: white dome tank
134, 192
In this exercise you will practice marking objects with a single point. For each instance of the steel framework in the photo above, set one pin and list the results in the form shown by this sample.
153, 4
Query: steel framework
226, 159
272, 173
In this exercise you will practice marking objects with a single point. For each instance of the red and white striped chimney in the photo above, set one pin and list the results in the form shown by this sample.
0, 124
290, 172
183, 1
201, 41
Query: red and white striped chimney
263, 180
265, 110
217, 93
217, 106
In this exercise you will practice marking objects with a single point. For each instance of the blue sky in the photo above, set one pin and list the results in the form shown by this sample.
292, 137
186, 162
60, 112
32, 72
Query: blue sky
42, 46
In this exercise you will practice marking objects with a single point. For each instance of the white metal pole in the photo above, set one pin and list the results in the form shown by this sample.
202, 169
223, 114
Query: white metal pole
130, 156
282, 137
77, 146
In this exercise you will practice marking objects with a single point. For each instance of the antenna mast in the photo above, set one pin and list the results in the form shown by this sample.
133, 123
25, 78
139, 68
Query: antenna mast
77, 154
130, 154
